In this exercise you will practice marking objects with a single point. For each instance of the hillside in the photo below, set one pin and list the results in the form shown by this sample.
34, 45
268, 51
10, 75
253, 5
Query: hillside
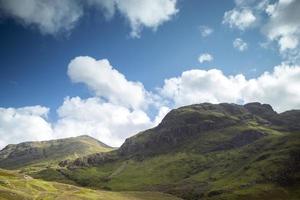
21, 187
204, 151
47, 153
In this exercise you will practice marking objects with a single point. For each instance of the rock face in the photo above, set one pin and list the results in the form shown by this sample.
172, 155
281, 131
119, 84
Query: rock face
241, 139
262, 110
89, 160
14, 156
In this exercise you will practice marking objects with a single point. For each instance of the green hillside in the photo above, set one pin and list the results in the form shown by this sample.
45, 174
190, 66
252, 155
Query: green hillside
204, 151
48, 153
15, 186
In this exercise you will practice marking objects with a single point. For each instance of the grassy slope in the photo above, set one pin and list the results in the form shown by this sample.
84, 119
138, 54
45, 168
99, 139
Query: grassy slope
253, 171
19, 187
53, 152
265, 169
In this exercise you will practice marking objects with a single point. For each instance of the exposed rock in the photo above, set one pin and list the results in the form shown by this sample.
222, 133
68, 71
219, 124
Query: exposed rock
90, 160
241, 139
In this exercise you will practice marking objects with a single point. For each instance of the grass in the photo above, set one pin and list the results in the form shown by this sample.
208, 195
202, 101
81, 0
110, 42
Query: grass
19, 187
49, 153
249, 172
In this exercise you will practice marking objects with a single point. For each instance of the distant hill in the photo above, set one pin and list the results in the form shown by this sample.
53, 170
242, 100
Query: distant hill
21, 187
46, 153
204, 151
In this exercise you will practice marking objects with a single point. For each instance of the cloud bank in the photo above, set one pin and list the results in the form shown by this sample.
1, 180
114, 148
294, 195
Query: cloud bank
279, 88
23, 124
119, 108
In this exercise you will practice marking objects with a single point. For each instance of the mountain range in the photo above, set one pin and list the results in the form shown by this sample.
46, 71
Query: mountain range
202, 151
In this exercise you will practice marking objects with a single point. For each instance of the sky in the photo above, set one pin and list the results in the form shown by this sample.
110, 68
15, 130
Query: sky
112, 68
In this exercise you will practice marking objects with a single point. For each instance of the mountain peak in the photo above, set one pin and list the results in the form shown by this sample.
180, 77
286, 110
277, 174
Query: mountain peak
184, 124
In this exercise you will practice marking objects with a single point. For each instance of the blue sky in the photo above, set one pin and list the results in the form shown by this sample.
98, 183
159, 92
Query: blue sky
35, 56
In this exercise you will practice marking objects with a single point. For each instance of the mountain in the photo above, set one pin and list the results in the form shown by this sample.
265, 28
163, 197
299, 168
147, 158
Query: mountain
17, 186
204, 151
46, 153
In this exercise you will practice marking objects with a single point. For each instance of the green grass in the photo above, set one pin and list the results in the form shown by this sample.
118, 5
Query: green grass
33, 156
19, 187
248, 172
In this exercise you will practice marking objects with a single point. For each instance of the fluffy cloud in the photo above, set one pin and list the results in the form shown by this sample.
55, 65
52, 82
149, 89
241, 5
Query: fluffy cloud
240, 44
108, 122
279, 88
49, 17
197, 86
148, 13
107, 82
23, 124
52, 17
206, 57
239, 18
205, 31
278, 21
283, 25
118, 110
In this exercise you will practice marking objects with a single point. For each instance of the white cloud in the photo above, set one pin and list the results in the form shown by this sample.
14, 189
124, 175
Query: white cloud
23, 124
118, 111
146, 13
197, 86
108, 122
240, 44
279, 88
205, 31
283, 24
52, 17
161, 114
206, 57
241, 18
107, 82
278, 21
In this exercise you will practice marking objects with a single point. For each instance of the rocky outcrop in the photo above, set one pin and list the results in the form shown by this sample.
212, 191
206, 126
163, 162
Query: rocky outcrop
90, 160
240, 140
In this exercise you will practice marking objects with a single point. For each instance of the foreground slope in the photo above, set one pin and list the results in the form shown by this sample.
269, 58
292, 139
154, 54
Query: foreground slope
19, 187
50, 152
204, 151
